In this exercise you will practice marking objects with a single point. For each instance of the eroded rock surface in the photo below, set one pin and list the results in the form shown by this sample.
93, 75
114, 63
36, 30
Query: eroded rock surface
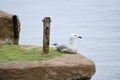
67, 67
9, 28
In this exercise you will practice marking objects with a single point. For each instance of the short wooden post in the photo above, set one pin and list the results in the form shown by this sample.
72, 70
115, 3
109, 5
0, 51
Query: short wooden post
15, 29
46, 34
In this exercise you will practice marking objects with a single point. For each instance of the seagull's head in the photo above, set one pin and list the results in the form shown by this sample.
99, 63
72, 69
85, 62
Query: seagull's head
75, 36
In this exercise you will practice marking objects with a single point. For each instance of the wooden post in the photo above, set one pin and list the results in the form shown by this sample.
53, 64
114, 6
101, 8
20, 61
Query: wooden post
46, 34
15, 29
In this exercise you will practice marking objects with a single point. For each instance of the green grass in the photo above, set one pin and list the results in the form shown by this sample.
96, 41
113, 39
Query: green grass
16, 53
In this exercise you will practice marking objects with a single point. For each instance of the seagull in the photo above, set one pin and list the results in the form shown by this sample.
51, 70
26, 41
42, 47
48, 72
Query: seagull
72, 45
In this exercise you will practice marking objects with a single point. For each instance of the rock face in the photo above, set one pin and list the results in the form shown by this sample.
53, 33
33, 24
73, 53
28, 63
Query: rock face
9, 28
67, 67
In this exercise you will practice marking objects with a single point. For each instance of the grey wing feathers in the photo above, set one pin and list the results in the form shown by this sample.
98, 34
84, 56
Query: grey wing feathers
69, 51
60, 47
64, 48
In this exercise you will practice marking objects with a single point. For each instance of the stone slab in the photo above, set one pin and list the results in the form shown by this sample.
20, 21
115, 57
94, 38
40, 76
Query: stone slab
67, 67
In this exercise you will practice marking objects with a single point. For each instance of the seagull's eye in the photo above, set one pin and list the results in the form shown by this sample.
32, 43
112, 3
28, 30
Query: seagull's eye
75, 35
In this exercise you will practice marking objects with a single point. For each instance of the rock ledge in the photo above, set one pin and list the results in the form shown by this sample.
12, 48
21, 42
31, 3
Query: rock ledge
67, 67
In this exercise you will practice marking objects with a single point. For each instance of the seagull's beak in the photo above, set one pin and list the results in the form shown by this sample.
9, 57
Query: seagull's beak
79, 37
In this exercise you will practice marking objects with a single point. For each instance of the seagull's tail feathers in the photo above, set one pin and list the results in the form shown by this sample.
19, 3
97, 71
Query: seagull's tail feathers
54, 44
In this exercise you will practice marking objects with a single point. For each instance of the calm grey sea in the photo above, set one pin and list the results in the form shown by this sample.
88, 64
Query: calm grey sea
97, 21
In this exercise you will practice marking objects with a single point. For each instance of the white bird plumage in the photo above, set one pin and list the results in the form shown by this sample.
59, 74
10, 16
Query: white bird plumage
72, 45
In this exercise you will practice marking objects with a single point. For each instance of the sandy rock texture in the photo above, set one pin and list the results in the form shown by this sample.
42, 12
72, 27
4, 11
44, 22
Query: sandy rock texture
9, 28
67, 67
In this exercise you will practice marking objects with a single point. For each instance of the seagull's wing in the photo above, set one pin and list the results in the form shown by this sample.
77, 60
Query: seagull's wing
61, 47
65, 49
68, 50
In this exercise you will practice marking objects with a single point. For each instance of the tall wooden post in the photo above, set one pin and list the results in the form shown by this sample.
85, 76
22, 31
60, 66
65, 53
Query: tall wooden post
46, 34
15, 29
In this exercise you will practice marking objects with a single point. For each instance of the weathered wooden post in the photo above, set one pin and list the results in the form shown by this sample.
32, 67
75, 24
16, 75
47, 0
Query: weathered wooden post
46, 34
15, 29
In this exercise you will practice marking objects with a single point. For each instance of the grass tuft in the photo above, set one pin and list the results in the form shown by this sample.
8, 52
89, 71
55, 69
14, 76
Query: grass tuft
17, 53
